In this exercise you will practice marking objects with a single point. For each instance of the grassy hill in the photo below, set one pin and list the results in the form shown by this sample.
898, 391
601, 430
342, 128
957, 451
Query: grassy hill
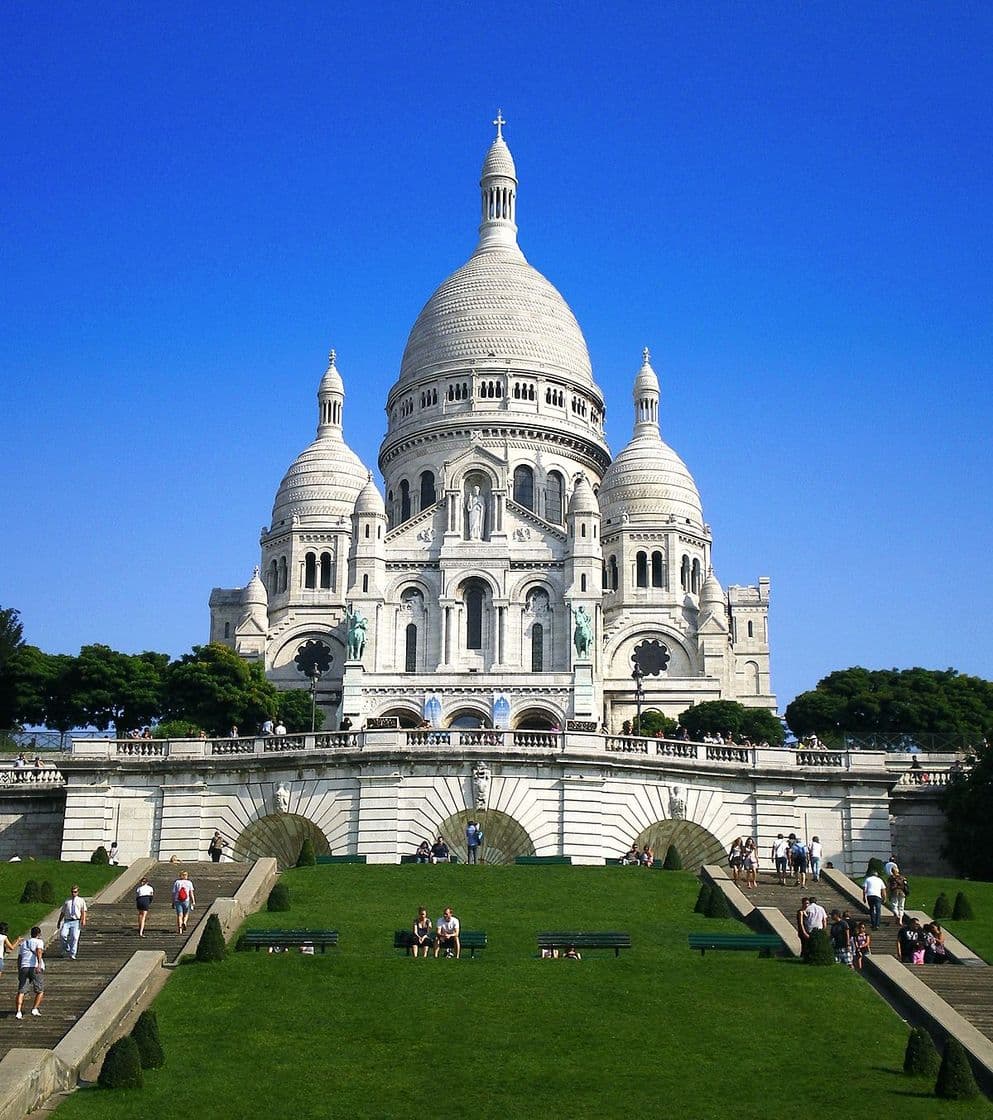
366, 1032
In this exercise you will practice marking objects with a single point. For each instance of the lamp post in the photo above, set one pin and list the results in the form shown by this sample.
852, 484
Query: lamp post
315, 675
639, 692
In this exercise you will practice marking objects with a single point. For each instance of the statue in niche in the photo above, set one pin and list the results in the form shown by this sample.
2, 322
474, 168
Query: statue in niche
474, 507
583, 634
281, 799
355, 642
538, 603
480, 784
677, 804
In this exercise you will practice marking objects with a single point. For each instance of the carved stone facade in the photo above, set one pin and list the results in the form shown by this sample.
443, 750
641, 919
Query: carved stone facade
504, 519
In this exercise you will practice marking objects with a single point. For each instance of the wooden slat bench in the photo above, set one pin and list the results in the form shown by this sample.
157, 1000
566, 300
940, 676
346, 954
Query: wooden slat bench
471, 939
407, 858
616, 861
283, 938
342, 859
766, 943
586, 940
525, 860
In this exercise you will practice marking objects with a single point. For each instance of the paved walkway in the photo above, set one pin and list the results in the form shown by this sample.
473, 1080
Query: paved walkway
106, 944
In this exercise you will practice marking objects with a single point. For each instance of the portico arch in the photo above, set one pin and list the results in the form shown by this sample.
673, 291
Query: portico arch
696, 845
279, 835
503, 837
537, 719
468, 718
408, 717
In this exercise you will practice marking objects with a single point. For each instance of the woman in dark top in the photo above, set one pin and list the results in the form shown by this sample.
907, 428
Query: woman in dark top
422, 933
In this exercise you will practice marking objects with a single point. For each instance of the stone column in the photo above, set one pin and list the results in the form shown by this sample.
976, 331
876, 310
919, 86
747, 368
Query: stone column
379, 796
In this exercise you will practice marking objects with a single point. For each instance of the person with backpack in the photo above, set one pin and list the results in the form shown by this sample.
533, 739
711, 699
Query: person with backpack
183, 900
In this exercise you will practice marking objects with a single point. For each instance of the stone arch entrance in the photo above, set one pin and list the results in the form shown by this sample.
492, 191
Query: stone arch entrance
503, 837
279, 835
695, 844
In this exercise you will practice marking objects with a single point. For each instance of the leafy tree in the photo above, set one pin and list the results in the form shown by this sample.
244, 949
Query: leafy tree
968, 802
118, 688
11, 634
294, 710
214, 688
23, 680
175, 729
728, 717
653, 722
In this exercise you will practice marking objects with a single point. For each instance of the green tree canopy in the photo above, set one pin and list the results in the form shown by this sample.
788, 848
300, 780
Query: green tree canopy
294, 710
122, 689
11, 642
728, 717
968, 803
861, 700
214, 688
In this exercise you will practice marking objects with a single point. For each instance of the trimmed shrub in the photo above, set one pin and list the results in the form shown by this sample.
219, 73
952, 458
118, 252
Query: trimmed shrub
955, 1081
673, 860
122, 1066
703, 899
211, 947
306, 858
942, 907
819, 948
31, 892
146, 1038
875, 868
718, 907
46, 893
921, 1058
279, 898
101, 855
962, 910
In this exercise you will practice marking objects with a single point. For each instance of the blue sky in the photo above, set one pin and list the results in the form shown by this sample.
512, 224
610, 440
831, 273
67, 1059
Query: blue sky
789, 203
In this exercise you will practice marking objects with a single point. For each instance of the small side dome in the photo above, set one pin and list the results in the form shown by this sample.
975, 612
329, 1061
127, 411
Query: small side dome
711, 594
583, 499
254, 593
370, 500
331, 382
647, 379
499, 161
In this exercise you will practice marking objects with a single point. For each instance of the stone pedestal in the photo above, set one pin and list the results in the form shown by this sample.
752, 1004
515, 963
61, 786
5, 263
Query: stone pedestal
351, 693
583, 698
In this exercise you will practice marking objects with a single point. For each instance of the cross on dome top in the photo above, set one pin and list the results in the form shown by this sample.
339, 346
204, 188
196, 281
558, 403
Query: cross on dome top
499, 122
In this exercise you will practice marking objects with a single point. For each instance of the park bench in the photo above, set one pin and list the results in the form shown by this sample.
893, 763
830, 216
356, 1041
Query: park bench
615, 861
471, 939
342, 859
585, 940
525, 860
765, 943
283, 938
408, 858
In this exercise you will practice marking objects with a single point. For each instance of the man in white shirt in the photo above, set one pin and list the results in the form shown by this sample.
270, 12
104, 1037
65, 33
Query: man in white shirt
874, 893
780, 849
30, 971
447, 935
815, 916
72, 919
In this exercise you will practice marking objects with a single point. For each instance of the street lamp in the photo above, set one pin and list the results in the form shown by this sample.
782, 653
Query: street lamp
315, 675
639, 693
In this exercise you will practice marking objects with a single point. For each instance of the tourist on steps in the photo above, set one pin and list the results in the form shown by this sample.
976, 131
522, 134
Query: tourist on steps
72, 919
183, 900
30, 972
143, 895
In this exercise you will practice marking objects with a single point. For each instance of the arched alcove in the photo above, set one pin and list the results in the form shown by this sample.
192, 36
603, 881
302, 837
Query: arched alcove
279, 835
536, 719
503, 837
696, 845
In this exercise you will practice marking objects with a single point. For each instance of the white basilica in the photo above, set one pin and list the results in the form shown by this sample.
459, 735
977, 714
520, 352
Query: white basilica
515, 575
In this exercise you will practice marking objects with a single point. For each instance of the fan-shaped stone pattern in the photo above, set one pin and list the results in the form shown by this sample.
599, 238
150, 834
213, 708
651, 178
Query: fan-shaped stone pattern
695, 844
279, 836
503, 838
496, 306
322, 483
649, 483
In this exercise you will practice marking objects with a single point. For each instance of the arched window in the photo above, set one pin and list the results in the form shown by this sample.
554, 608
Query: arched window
282, 573
606, 579
641, 570
310, 570
410, 648
404, 500
658, 572
273, 578
751, 633
695, 578
684, 573
537, 648
613, 573
554, 497
751, 677
582, 582
474, 595
325, 570
227, 629
365, 583
427, 490
524, 487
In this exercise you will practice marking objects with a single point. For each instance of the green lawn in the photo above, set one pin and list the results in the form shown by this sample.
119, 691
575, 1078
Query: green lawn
365, 1032
977, 934
22, 916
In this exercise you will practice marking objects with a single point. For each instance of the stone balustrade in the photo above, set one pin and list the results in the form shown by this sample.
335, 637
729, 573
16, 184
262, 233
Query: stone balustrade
30, 777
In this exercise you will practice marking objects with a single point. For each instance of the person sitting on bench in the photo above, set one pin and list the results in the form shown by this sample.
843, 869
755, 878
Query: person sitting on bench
439, 851
447, 935
421, 933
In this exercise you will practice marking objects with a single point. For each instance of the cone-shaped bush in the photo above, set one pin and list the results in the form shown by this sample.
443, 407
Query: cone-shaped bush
146, 1038
46, 893
962, 910
819, 948
921, 1057
306, 858
703, 899
211, 946
942, 907
31, 891
122, 1066
673, 860
875, 867
718, 907
279, 898
101, 855
955, 1081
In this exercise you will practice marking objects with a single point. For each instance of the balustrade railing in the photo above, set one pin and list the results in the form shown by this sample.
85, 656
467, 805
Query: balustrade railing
30, 777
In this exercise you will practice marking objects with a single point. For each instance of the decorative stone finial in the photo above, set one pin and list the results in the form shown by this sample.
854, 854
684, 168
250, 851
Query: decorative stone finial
646, 355
331, 356
499, 122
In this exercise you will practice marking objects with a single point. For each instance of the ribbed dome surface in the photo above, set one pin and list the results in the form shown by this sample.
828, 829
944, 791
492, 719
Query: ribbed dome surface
650, 483
499, 161
322, 483
370, 500
496, 306
254, 593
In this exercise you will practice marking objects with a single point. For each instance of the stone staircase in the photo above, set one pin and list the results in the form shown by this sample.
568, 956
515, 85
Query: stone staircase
106, 944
